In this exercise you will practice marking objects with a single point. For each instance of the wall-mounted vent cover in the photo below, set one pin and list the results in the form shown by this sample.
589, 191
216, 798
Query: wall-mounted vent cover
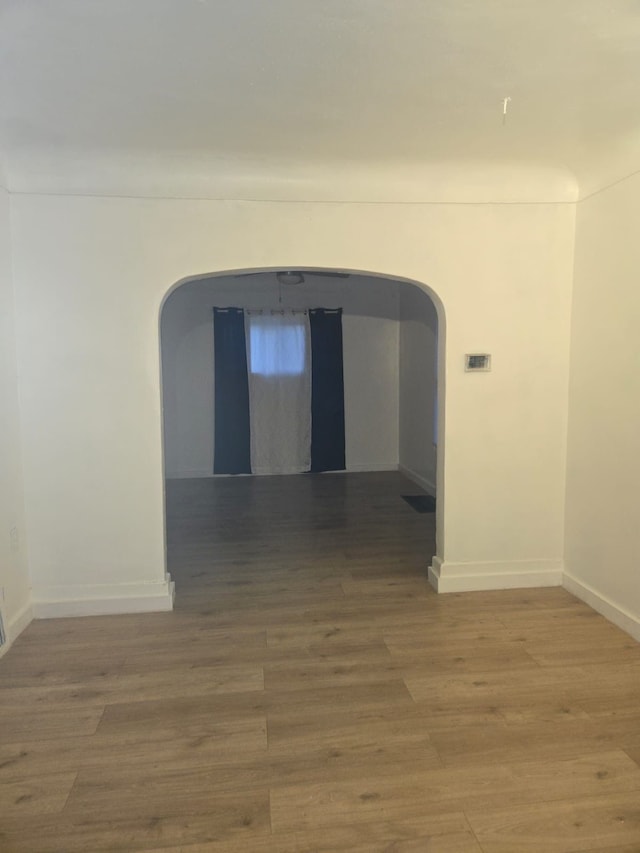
477, 362
3, 636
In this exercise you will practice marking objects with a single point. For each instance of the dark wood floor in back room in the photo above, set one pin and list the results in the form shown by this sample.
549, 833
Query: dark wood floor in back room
310, 692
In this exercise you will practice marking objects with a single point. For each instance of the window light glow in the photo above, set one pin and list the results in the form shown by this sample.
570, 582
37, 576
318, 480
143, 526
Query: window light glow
276, 349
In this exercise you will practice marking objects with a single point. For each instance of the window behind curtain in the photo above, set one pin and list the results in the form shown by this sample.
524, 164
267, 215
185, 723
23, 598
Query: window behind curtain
278, 347
279, 361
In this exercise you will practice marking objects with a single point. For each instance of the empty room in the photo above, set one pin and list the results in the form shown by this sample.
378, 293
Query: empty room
320, 444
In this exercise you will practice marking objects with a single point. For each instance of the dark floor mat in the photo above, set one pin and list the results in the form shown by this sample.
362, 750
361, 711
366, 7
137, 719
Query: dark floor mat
421, 503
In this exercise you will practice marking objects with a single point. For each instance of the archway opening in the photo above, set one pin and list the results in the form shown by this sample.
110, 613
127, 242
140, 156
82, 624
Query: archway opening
381, 507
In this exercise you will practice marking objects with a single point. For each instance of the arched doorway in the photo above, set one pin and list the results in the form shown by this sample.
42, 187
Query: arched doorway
392, 330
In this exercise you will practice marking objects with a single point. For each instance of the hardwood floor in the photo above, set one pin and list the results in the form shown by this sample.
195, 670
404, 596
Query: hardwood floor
310, 692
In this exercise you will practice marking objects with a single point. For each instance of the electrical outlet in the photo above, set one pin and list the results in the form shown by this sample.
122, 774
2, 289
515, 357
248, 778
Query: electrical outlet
14, 538
477, 362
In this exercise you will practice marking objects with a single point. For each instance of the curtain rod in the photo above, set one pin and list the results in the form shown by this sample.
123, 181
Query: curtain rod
277, 310
281, 310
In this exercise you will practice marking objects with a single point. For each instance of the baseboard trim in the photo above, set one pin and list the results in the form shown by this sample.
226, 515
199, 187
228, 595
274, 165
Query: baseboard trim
428, 486
517, 574
603, 605
16, 625
378, 466
195, 474
103, 599
350, 469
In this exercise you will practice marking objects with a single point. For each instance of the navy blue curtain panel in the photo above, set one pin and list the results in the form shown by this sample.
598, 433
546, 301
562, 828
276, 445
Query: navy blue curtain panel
327, 390
232, 448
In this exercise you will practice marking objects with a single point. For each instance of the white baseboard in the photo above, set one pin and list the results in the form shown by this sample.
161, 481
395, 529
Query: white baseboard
102, 599
467, 577
355, 469
371, 467
604, 605
196, 473
428, 486
16, 625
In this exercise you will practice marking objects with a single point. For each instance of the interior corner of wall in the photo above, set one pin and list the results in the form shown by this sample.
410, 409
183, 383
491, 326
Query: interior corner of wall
601, 603
14, 626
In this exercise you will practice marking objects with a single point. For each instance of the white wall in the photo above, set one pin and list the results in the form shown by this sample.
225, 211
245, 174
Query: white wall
418, 386
187, 383
370, 343
14, 581
91, 274
603, 471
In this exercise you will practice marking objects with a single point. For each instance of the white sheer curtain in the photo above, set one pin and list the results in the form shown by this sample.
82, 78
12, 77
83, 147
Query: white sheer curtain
279, 368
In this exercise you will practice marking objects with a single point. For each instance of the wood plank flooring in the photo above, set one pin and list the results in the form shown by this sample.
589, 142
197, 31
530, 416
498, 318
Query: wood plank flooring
310, 692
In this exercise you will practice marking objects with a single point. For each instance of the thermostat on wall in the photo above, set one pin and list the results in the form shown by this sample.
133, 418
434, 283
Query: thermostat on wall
477, 362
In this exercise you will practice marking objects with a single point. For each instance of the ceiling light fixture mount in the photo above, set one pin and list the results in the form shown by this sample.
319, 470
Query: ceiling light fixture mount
290, 277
